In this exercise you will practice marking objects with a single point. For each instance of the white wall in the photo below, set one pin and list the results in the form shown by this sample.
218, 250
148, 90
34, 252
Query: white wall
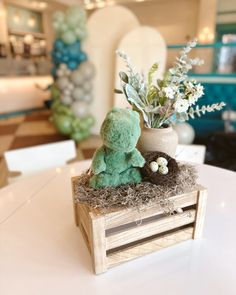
21, 93
226, 11
175, 20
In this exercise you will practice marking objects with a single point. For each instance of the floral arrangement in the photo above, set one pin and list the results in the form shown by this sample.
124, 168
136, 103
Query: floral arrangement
166, 100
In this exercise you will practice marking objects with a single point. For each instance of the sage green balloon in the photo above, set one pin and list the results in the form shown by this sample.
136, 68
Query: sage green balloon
68, 37
55, 93
63, 110
77, 136
59, 16
63, 124
79, 109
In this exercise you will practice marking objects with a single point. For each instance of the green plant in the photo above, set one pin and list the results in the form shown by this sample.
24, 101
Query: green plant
166, 100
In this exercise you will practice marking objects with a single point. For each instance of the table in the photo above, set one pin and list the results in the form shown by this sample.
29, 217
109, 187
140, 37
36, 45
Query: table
42, 252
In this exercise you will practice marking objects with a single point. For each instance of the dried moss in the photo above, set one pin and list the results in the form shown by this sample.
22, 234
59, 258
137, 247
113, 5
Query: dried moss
134, 195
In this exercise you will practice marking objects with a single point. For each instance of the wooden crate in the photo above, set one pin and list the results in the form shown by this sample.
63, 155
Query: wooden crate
118, 236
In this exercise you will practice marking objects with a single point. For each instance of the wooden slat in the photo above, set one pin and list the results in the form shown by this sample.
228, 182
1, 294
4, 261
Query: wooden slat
74, 204
84, 223
201, 212
124, 216
147, 230
149, 247
98, 243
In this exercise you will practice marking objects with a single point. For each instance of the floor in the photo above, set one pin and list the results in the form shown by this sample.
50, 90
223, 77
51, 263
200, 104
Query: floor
35, 129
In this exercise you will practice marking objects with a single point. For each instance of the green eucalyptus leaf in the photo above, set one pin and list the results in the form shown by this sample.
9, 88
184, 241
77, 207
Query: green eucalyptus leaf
134, 81
123, 77
140, 108
151, 72
132, 93
143, 92
152, 94
118, 91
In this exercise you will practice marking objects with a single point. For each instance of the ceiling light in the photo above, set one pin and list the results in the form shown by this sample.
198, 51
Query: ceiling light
16, 18
43, 5
31, 22
100, 4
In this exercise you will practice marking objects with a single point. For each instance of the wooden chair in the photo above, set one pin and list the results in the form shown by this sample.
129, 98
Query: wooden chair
191, 153
26, 161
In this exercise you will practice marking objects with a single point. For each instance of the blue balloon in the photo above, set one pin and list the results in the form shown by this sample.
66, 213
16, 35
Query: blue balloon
58, 55
65, 58
74, 51
58, 44
70, 54
82, 57
78, 43
72, 65
53, 72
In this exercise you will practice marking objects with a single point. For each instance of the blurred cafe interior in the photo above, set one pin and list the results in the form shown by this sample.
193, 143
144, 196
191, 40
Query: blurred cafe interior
28, 60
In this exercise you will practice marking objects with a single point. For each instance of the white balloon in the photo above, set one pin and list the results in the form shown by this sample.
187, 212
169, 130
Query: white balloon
88, 69
87, 86
62, 82
71, 86
67, 72
88, 97
67, 91
78, 93
67, 100
77, 77
63, 66
80, 109
186, 133
60, 73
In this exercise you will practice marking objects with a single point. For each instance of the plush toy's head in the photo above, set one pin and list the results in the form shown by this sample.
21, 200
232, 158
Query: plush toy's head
120, 130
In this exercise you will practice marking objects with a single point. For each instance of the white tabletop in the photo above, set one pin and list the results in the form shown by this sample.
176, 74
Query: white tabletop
42, 251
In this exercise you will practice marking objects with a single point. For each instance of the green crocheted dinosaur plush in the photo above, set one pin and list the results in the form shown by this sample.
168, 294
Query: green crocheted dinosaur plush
116, 162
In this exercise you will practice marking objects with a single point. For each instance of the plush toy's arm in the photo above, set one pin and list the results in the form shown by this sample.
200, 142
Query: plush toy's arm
98, 162
137, 159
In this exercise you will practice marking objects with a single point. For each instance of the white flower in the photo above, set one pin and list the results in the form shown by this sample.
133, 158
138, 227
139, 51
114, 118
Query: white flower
199, 90
181, 105
191, 99
169, 91
189, 86
193, 92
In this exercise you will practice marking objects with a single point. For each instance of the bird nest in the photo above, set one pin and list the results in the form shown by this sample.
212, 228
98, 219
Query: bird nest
170, 179
134, 195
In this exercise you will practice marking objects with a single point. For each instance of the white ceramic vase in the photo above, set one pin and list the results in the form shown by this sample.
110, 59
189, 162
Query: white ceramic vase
158, 139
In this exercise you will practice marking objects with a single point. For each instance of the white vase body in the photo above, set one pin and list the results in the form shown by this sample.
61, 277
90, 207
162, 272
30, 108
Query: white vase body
158, 139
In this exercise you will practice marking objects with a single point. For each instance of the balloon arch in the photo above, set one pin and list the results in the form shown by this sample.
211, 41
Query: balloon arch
73, 75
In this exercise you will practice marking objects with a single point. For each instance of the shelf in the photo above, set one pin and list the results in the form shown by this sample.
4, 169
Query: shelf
21, 33
209, 45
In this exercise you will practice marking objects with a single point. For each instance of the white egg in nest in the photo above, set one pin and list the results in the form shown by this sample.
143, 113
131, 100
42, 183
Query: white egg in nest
163, 170
154, 166
161, 161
